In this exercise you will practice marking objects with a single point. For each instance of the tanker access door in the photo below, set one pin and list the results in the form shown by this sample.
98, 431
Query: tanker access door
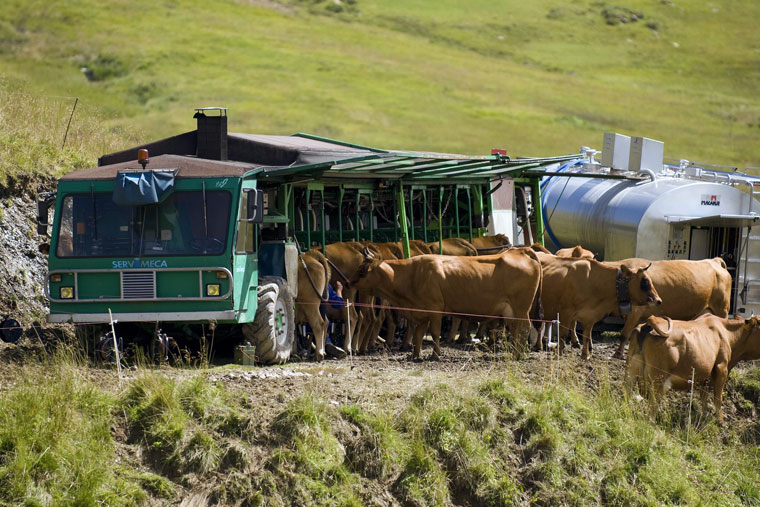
708, 242
731, 237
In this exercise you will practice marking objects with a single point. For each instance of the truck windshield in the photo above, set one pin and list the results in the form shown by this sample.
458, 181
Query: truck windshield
91, 225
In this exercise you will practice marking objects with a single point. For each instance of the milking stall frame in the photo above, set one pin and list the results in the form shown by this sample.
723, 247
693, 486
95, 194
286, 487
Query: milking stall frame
174, 237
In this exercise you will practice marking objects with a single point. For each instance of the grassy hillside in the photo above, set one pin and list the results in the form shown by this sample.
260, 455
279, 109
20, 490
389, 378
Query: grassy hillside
536, 77
70, 435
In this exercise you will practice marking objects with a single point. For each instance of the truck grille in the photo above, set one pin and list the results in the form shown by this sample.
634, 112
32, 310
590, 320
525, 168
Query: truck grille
140, 285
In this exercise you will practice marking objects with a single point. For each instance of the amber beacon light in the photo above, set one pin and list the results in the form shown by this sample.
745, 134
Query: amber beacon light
142, 157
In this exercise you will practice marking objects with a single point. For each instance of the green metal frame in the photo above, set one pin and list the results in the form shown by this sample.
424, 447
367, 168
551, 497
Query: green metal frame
362, 172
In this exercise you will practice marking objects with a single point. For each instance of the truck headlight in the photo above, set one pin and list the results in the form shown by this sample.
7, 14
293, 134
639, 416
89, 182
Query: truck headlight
67, 292
213, 289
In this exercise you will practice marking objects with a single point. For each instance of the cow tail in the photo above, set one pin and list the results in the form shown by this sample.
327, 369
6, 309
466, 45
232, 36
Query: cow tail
538, 311
656, 330
328, 274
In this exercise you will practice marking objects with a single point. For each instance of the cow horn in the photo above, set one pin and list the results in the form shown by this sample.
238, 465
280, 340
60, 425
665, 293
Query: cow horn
648, 266
367, 253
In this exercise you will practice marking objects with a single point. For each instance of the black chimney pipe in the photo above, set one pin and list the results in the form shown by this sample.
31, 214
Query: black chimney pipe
212, 133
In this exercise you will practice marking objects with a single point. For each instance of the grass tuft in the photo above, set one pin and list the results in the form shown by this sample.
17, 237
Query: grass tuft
55, 442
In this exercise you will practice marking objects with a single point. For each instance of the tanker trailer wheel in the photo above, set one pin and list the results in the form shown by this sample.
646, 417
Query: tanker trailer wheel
273, 328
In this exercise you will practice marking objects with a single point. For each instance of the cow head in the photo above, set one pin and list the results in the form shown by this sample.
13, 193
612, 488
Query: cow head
371, 271
752, 345
641, 290
502, 239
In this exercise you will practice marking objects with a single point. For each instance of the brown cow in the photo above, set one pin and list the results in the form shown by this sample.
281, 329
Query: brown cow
666, 352
312, 291
505, 285
491, 244
687, 288
538, 247
416, 247
453, 246
577, 252
586, 290
373, 317
345, 259
389, 250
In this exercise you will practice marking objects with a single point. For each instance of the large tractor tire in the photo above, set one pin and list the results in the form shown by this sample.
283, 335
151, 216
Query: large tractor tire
273, 328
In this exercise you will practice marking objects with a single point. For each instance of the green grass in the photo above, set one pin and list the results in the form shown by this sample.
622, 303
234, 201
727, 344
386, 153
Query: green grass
499, 441
56, 446
536, 78
32, 133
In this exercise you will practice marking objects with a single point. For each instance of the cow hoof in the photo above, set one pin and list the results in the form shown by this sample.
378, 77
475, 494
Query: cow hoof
576, 345
617, 355
416, 359
434, 357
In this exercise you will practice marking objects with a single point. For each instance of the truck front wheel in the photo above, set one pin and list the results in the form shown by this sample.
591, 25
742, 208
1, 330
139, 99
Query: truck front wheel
272, 330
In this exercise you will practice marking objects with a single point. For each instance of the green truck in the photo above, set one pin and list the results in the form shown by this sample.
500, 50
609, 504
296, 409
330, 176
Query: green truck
200, 232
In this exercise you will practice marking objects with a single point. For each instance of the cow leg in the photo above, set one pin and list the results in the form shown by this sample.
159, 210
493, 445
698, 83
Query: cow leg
483, 329
451, 336
539, 345
631, 321
390, 327
719, 377
574, 334
464, 332
375, 330
359, 331
587, 327
411, 328
352, 317
319, 326
367, 321
435, 331
565, 323
419, 333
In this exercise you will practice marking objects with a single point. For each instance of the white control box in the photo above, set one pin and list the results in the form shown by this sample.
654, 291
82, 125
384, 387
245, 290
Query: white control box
615, 150
646, 154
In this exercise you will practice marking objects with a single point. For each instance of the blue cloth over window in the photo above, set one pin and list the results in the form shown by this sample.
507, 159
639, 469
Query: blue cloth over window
140, 188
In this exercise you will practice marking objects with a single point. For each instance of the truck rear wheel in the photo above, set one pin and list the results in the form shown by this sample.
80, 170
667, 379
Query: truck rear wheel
272, 330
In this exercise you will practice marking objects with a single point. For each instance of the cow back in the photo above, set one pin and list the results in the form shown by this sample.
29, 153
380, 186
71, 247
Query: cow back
688, 288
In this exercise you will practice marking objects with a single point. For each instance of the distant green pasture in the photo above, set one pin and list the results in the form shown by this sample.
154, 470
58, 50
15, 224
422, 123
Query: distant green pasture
537, 78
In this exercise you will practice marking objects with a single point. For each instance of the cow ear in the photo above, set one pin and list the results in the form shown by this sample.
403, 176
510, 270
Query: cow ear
626, 270
366, 266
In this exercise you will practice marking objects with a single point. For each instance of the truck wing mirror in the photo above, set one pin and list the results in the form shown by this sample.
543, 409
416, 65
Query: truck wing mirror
44, 201
255, 206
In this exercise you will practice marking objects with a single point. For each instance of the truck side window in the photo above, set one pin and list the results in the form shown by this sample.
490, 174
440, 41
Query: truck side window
246, 236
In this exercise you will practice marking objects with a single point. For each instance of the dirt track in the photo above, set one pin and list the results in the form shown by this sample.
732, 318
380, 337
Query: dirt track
383, 378
389, 378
